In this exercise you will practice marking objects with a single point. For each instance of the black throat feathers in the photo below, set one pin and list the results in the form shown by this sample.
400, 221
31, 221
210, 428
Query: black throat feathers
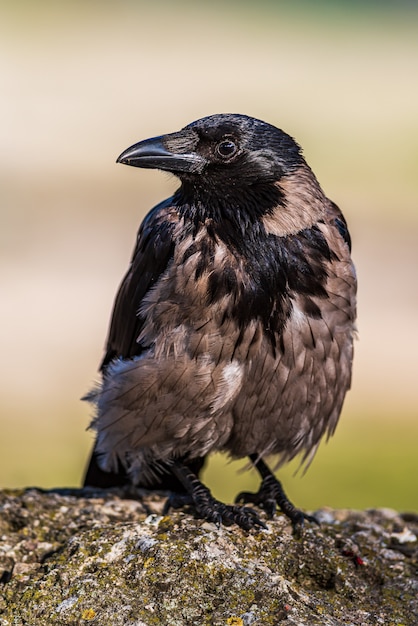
263, 271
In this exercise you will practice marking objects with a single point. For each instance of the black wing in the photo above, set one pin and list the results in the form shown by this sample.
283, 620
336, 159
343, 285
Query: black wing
153, 252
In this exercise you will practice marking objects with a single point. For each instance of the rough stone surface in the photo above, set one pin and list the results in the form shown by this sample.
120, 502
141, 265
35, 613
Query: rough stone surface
85, 556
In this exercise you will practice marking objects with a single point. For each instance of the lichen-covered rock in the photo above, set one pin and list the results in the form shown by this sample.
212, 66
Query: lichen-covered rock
84, 556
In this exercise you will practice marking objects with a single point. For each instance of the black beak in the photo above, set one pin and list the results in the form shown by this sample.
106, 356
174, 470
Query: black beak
168, 152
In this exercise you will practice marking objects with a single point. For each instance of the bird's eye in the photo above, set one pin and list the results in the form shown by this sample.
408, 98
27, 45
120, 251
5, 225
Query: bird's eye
226, 148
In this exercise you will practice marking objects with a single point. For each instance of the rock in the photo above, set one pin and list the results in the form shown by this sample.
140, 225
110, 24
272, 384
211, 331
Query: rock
111, 558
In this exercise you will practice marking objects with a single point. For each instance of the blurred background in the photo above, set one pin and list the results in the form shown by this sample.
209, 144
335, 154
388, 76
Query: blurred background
80, 82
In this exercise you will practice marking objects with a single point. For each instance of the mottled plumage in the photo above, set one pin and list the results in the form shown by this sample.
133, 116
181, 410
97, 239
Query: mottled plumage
233, 328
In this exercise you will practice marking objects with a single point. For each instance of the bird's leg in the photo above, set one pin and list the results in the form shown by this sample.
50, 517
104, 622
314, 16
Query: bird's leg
271, 494
206, 505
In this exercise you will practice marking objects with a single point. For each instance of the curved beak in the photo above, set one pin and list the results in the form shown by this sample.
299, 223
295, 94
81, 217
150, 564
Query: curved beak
173, 153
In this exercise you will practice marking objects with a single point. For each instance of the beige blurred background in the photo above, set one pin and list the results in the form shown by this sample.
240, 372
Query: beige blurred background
80, 82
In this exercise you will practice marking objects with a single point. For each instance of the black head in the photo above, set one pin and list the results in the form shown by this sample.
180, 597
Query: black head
223, 148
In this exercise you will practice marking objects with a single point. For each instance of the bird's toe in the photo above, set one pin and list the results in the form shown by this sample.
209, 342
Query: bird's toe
270, 496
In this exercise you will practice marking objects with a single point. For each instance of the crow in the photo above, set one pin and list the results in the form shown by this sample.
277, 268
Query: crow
233, 327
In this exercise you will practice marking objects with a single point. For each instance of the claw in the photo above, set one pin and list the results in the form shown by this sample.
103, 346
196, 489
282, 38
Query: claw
270, 496
207, 507
269, 505
220, 513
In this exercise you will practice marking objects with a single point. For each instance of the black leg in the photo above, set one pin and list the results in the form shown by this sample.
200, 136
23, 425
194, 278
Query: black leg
271, 495
206, 505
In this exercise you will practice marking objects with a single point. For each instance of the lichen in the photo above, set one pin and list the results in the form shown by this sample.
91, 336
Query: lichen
100, 558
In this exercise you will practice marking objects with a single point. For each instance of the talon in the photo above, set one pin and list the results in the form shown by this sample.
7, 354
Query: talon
298, 518
271, 495
312, 519
207, 507
217, 520
268, 505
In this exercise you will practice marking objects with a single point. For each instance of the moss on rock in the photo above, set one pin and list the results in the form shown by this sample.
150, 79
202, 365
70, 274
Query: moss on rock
95, 557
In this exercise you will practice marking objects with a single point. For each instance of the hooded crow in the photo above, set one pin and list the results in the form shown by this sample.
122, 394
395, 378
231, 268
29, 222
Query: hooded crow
233, 327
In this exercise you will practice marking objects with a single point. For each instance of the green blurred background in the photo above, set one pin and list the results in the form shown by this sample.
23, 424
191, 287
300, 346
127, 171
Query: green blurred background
81, 81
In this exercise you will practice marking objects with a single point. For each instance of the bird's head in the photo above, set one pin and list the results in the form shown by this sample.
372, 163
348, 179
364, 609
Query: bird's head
239, 167
226, 147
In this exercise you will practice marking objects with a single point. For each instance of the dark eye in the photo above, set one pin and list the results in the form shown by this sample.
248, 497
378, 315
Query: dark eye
226, 148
